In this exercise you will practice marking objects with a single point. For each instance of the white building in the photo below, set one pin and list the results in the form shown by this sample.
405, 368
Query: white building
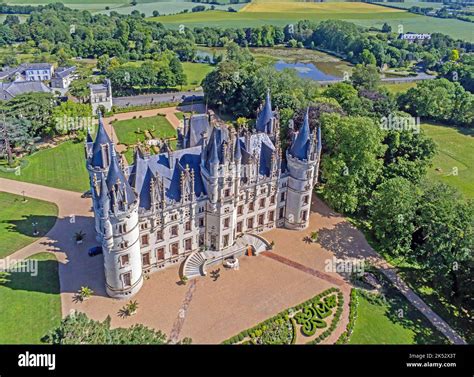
63, 77
38, 72
101, 95
201, 204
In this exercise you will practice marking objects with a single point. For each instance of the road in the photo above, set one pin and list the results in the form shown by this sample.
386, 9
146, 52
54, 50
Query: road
149, 99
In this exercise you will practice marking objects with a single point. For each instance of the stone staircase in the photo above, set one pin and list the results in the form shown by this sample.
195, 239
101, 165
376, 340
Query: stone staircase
194, 265
258, 243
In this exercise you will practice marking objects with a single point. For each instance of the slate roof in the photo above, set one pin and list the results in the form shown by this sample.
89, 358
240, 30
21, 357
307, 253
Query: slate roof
197, 125
158, 167
13, 89
34, 66
116, 181
63, 72
265, 116
300, 147
101, 139
260, 145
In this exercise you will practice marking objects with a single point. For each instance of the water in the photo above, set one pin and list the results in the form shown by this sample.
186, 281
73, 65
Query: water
305, 70
202, 55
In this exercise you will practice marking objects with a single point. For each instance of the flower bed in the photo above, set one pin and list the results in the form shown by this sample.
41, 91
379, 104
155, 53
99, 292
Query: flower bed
346, 335
305, 319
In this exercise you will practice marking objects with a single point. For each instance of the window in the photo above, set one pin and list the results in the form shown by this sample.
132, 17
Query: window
261, 219
146, 259
239, 227
122, 228
272, 199
160, 254
145, 240
226, 222
201, 222
251, 206
188, 226
188, 245
306, 199
262, 203
127, 279
226, 193
249, 223
159, 235
282, 197
174, 230
281, 214
304, 215
174, 249
240, 209
226, 240
124, 260
201, 239
271, 216
143, 226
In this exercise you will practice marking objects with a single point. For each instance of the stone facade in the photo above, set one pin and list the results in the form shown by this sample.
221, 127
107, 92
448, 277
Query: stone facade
202, 203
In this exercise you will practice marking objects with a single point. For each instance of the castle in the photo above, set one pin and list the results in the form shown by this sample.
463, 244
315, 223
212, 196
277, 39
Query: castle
200, 204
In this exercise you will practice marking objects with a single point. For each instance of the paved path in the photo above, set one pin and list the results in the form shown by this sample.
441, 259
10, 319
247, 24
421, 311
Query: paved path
319, 274
178, 324
416, 301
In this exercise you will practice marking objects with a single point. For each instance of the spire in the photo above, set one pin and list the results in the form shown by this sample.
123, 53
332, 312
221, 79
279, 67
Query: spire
213, 155
237, 151
265, 116
300, 147
104, 198
102, 146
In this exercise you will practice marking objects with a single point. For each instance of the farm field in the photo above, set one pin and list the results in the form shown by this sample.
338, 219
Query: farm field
398, 87
16, 218
281, 13
454, 162
62, 167
31, 305
124, 7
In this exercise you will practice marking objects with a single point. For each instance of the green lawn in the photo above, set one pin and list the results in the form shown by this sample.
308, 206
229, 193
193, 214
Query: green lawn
131, 131
30, 306
16, 218
398, 87
127, 130
195, 73
395, 322
455, 151
62, 167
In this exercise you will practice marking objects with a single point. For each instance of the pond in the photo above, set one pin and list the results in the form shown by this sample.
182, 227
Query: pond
308, 70
204, 57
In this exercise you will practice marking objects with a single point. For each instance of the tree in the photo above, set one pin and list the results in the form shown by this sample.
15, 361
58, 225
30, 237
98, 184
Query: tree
156, 13
454, 56
71, 116
386, 28
80, 89
444, 240
352, 163
392, 213
367, 58
15, 133
77, 328
366, 77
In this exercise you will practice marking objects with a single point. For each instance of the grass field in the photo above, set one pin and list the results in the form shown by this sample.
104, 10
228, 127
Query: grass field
62, 167
455, 151
393, 322
16, 218
126, 130
280, 13
195, 73
399, 87
30, 305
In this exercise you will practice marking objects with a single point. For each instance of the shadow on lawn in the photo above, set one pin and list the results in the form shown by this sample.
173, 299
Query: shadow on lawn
31, 223
42, 278
400, 311
78, 269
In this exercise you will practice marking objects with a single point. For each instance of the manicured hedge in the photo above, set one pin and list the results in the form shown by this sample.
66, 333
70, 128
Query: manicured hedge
284, 315
345, 336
